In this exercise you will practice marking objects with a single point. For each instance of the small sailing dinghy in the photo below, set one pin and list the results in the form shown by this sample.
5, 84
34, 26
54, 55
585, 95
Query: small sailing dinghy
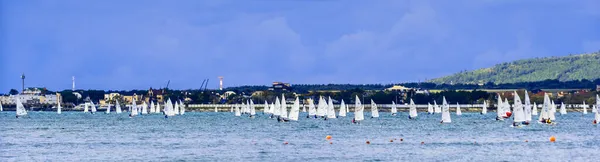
597, 114
134, 109
295, 111
527, 109
311, 109
584, 106
412, 110
342, 112
500, 109
182, 108
484, 108
107, 108
429, 108
534, 109
283, 116
93, 107
458, 112
1, 108
86, 107
563, 109
20, 112
519, 115
144, 108
374, 110
330, 109
237, 110
436, 108
252, 109
266, 108
445, 111
545, 114
118, 107
152, 110
394, 110
58, 108
358, 111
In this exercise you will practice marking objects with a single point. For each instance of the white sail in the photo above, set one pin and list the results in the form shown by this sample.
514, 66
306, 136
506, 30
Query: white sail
295, 111
584, 106
534, 109
144, 108
506, 106
563, 109
134, 111
277, 109
394, 108
252, 108
500, 108
311, 108
1, 108
237, 110
445, 111
108, 108
429, 108
518, 114
152, 110
266, 108
176, 108
216, 109
182, 108
303, 108
527, 108
157, 107
374, 110
553, 111
413, 109
169, 108
93, 106
436, 108
86, 107
545, 113
118, 107
484, 108
458, 112
20, 108
595, 108
597, 116
330, 109
358, 110
283, 112
321, 108
58, 107
342, 109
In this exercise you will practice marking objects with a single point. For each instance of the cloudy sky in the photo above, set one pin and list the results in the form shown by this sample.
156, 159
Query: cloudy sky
137, 44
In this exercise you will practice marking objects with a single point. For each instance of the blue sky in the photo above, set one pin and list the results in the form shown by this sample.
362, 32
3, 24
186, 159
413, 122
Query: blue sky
137, 44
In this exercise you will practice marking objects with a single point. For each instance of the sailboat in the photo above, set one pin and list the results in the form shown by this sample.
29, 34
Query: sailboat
176, 108
303, 108
330, 109
1, 108
445, 111
507, 112
458, 112
107, 108
394, 109
134, 110
534, 109
429, 108
563, 109
519, 115
321, 108
93, 107
500, 109
553, 111
597, 116
484, 108
237, 110
545, 113
144, 108
169, 109
216, 110
436, 108
594, 109
182, 108
152, 110
118, 107
58, 109
20, 109
527, 108
295, 111
252, 109
283, 116
342, 109
85, 107
311, 109
266, 108
412, 114
584, 106
374, 110
358, 111
277, 108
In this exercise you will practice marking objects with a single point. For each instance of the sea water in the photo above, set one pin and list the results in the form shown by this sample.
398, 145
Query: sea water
209, 136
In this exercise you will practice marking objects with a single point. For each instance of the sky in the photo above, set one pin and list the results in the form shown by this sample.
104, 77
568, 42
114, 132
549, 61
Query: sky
138, 44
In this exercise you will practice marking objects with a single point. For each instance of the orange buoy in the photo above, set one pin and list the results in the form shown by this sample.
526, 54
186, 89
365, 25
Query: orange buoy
422, 143
285, 143
552, 139
328, 137
391, 140
368, 142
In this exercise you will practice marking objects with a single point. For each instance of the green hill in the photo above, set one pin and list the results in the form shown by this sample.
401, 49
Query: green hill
573, 67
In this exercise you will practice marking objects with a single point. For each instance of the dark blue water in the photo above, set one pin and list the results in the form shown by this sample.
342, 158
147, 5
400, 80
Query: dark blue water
74, 136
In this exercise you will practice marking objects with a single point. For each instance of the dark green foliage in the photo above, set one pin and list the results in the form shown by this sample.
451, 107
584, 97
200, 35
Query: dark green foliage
567, 68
